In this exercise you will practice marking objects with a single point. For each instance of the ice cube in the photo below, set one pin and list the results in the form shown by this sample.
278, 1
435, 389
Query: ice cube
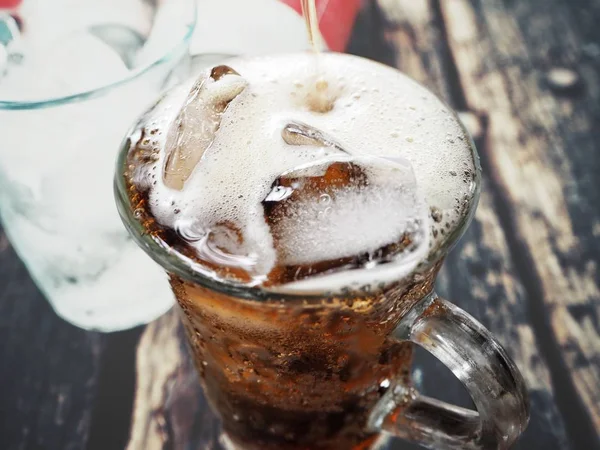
298, 133
221, 247
224, 246
344, 212
195, 128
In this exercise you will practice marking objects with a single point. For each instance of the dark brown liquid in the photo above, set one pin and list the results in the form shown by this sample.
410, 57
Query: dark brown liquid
298, 375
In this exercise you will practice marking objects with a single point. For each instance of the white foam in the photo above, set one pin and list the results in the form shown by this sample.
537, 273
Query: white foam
378, 112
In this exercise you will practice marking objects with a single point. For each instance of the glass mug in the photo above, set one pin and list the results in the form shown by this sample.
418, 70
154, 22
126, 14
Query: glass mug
299, 372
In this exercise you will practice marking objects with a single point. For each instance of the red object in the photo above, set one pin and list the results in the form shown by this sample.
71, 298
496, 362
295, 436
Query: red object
336, 20
8, 4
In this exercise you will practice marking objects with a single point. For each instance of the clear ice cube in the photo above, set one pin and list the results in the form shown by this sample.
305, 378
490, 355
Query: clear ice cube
195, 128
299, 134
344, 212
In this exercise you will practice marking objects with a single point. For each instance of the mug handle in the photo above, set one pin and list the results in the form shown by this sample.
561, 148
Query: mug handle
477, 359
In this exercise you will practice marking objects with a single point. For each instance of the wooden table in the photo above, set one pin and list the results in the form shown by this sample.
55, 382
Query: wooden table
526, 75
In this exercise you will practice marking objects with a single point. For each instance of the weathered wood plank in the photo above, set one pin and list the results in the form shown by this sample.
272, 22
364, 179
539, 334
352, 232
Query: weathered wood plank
416, 43
479, 275
542, 152
170, 411
48, 368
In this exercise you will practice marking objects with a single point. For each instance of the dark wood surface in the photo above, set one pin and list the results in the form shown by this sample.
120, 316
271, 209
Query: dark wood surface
527, 267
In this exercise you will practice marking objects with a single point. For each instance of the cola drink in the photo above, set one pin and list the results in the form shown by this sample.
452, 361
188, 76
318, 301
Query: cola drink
303, 211
303, 374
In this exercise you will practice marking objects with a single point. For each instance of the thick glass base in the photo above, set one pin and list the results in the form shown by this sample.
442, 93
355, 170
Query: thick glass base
378, 443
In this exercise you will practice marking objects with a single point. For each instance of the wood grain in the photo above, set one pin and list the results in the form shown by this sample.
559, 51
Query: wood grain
170, 411
542, 153
479, 275
48, 368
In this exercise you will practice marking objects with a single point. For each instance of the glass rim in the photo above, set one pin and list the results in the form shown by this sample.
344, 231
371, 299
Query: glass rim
175, 263
168, 55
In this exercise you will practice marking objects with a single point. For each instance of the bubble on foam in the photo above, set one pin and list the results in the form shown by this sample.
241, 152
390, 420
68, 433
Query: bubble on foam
238, 170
